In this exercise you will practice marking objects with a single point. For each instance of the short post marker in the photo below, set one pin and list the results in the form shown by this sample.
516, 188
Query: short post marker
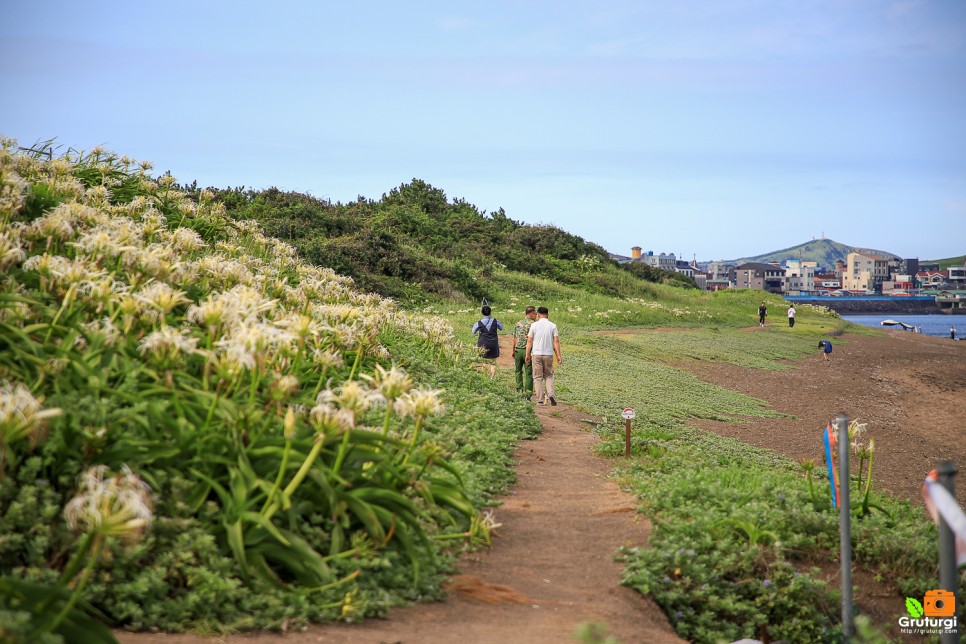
628, 415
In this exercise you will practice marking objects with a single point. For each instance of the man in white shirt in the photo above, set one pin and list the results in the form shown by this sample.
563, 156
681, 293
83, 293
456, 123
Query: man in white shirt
543, 343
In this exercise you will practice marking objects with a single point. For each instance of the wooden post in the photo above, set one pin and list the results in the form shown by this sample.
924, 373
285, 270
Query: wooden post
628, 415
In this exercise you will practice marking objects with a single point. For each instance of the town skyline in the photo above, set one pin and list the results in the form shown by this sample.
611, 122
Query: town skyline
789, 250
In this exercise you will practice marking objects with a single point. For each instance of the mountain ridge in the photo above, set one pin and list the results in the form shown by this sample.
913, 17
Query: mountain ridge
824, 251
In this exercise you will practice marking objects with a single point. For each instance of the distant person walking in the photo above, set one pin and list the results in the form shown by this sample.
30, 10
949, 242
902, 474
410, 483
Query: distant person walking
762, 314
521, 368
791, 316
543, 343
952, 333
826, 347
487, 327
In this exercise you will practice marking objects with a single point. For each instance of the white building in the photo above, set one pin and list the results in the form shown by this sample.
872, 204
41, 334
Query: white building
799, 277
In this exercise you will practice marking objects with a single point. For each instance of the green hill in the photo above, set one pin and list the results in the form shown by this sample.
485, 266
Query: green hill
946, 263
823, 251
414, 242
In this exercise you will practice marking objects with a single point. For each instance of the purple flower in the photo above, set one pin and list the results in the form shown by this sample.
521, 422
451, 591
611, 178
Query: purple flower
766, 583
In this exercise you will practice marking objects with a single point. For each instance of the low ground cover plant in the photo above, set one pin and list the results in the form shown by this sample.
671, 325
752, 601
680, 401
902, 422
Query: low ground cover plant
305, 451
737, 531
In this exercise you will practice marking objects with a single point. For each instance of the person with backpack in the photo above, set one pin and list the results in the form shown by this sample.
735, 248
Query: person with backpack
487, 327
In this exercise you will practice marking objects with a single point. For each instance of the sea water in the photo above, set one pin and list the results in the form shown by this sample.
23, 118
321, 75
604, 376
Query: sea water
937, 325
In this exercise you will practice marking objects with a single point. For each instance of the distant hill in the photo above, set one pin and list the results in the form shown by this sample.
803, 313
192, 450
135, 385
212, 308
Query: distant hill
946, 263
823, 251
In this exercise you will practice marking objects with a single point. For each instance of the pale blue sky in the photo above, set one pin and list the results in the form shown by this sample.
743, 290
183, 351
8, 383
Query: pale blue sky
717, 128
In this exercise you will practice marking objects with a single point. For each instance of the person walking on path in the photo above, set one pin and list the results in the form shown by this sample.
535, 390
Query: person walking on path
952, 333
791, 316
521, 368
543, 343
762, 314
487, 328
826, 347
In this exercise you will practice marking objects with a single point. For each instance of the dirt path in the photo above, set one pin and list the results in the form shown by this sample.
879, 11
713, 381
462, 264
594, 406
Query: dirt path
550, 568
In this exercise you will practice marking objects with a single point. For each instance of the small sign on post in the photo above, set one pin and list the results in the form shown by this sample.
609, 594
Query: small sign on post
628, 415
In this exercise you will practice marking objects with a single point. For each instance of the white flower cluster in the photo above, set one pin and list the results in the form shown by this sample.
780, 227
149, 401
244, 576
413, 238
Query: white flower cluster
118, 505
685, 313
130, 263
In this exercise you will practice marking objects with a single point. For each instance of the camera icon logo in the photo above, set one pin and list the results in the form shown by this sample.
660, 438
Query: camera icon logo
939, 603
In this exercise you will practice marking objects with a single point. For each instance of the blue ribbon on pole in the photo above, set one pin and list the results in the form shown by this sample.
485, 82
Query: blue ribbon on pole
827, 434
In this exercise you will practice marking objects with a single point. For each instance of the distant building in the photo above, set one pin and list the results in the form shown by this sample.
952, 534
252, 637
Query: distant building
685, 268
662, 261
956, 276
666, 262
906, 267
827, 281
899, 283
930, 279
799, 277
720, 270
766, 277
865, 272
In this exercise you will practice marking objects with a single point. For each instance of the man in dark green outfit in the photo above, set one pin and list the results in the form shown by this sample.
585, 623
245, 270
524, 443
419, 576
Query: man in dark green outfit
522, 368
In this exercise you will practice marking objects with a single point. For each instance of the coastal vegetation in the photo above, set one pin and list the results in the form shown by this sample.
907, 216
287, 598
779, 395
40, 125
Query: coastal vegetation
200, 431
415, 243
204, 427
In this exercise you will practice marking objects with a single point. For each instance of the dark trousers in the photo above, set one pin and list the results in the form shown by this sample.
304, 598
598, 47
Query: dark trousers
791, 322
524, 371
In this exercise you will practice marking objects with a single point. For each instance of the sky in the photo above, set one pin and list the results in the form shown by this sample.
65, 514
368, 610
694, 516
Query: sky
714, 129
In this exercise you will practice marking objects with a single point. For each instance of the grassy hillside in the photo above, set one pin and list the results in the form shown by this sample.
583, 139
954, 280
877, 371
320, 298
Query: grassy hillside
198, 430
414, 242
824, 251
946, 263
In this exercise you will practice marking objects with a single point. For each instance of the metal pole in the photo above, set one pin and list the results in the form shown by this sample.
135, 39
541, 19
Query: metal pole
948, 579
845, 526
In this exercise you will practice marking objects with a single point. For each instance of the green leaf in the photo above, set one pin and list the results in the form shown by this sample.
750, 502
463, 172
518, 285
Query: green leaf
914, 607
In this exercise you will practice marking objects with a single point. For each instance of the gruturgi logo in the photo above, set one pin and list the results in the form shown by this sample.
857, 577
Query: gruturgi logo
935, 615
